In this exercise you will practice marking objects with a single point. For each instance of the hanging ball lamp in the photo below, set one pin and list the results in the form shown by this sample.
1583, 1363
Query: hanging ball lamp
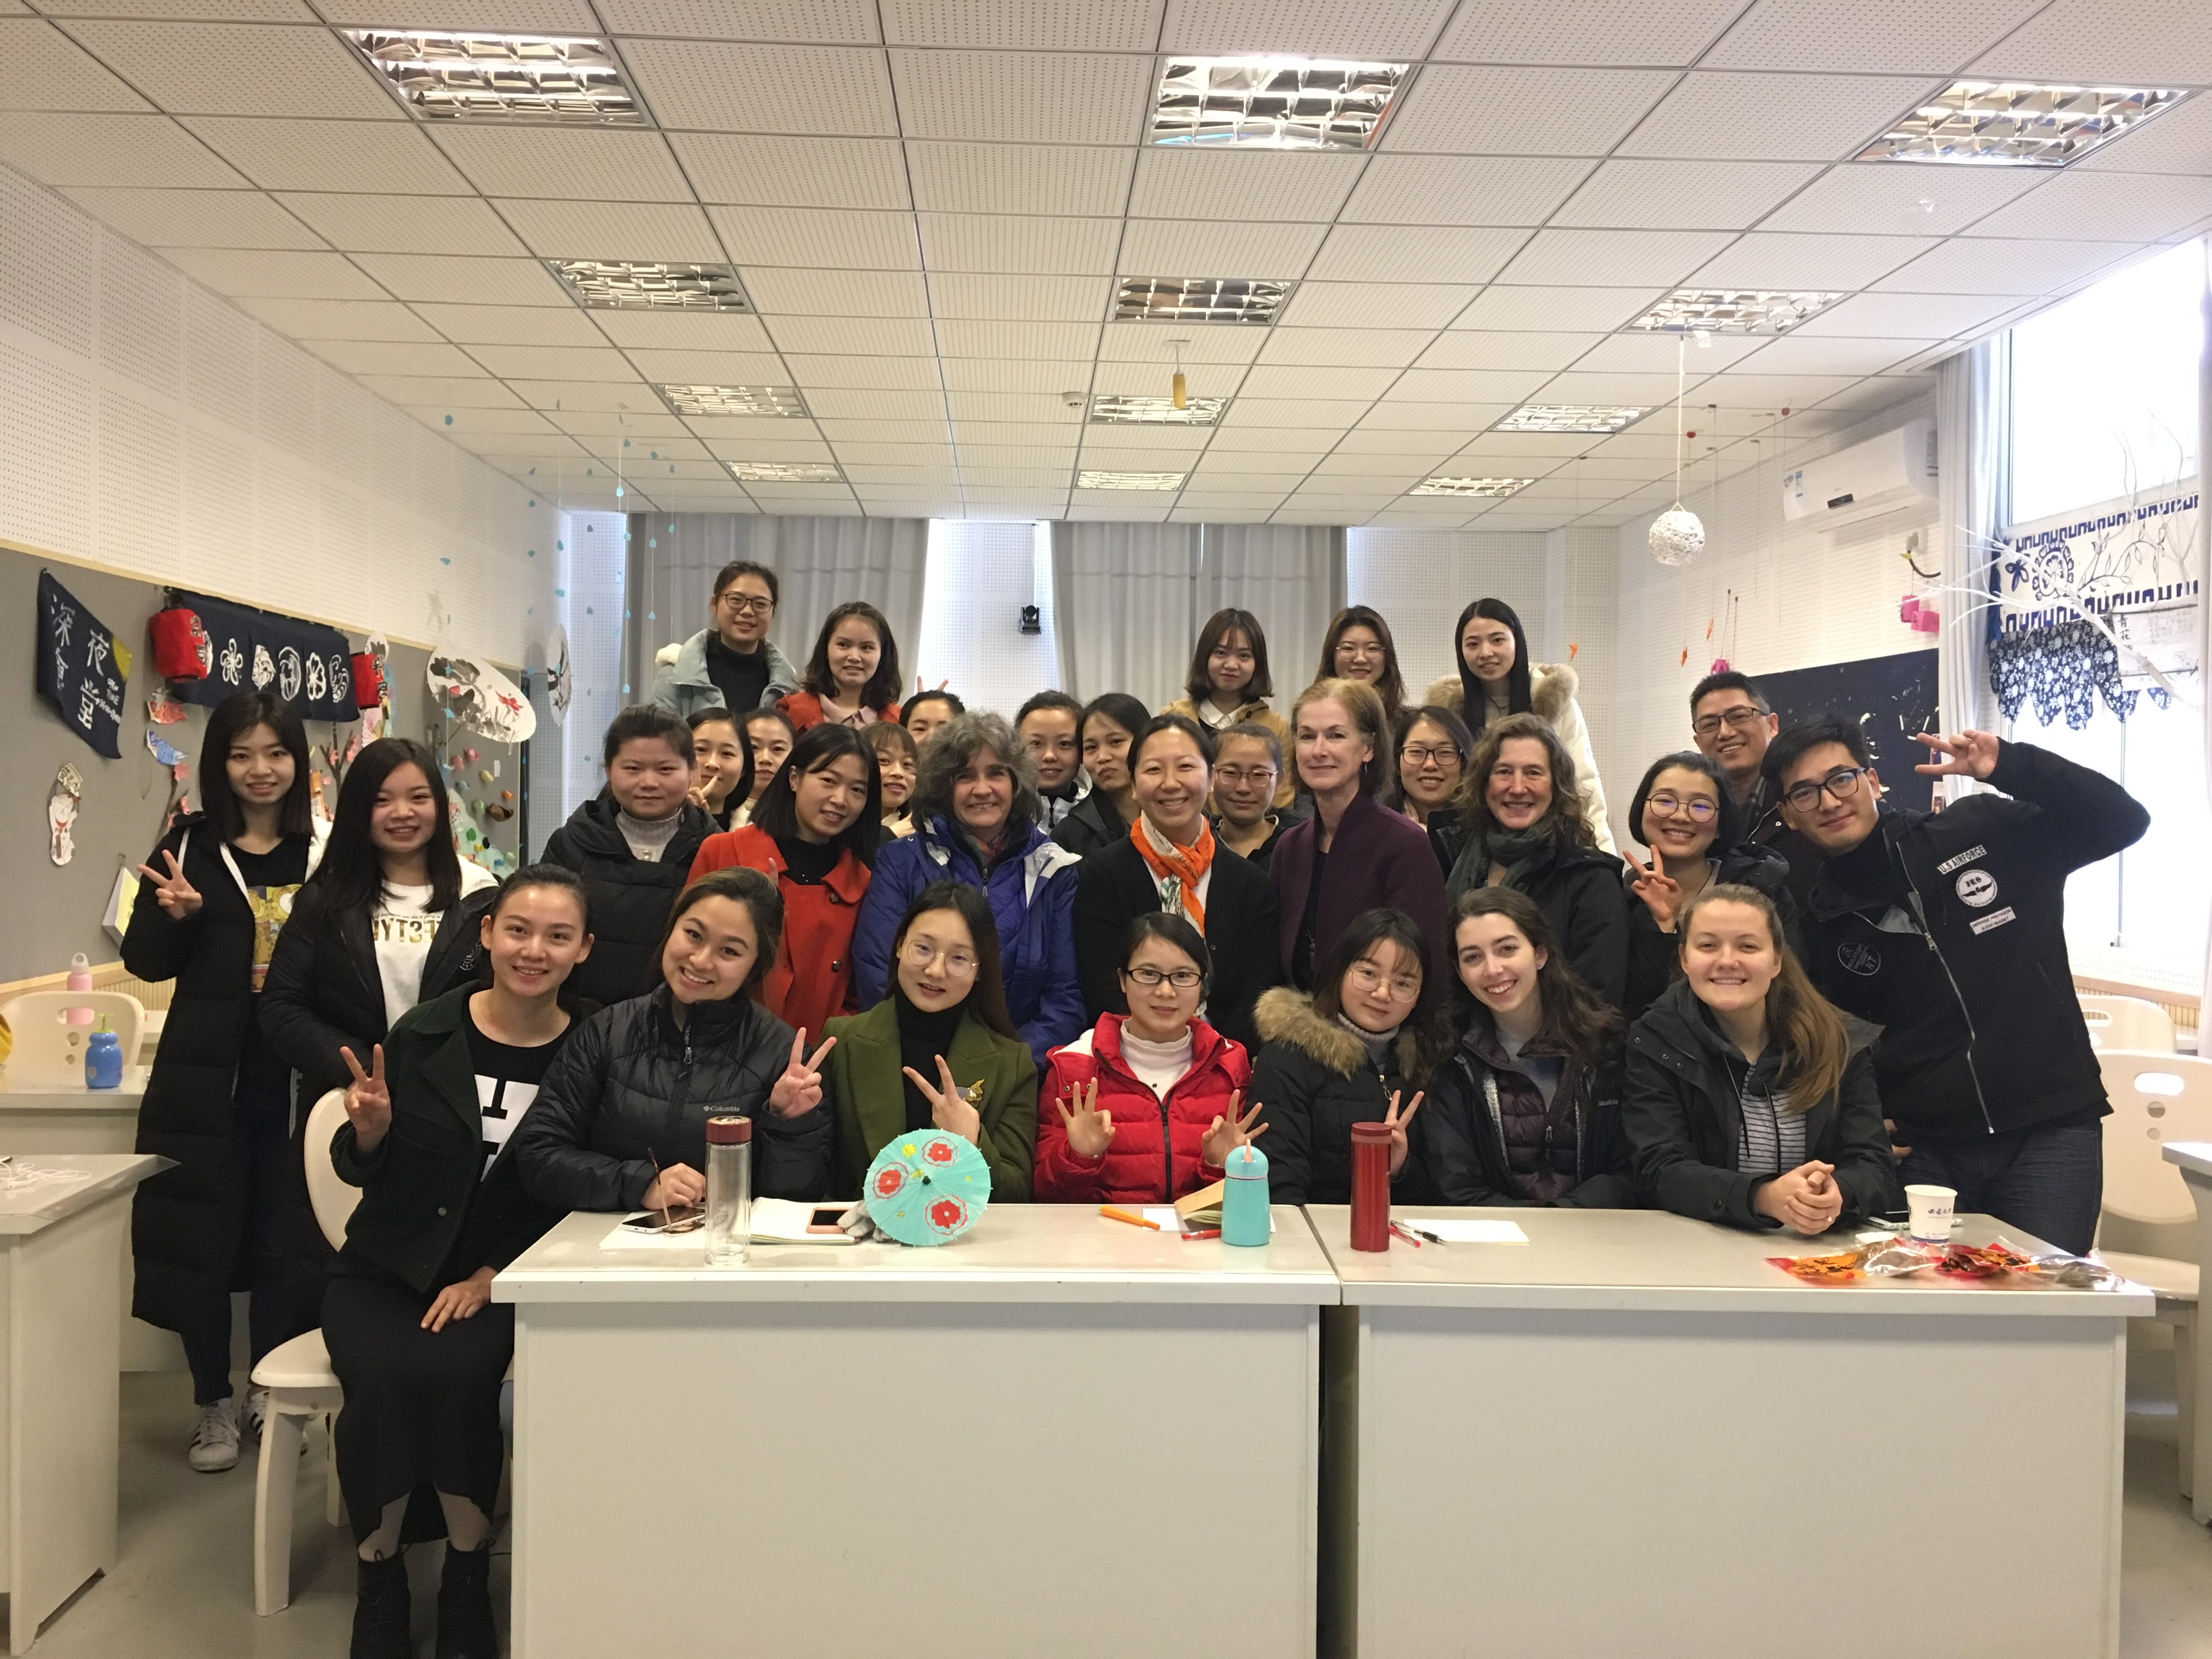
1677, 536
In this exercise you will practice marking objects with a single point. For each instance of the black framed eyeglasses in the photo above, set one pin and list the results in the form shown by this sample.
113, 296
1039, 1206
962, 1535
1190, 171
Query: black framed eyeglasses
1741, 717
1182, 979
1839, 786
1700, 810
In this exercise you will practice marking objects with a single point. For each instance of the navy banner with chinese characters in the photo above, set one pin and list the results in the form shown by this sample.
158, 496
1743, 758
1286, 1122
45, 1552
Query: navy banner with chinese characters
307, 665
78, 672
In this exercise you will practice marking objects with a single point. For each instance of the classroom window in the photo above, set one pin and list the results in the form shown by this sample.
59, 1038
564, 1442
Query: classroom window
981, 573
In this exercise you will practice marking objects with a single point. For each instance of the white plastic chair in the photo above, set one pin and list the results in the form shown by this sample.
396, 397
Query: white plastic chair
49, 1051
2127, 1023
2157, 1097
301, 1385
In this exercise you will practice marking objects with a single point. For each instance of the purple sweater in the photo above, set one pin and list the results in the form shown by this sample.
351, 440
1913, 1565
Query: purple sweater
1379, 860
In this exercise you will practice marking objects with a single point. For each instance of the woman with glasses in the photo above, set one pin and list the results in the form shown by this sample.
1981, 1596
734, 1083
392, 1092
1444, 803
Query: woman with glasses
1432, 772
940, 1052
731, 663
1248, 759
1229, 685
1358, 647
1684, 811
1170, 860
1144, 1106
1350, 1053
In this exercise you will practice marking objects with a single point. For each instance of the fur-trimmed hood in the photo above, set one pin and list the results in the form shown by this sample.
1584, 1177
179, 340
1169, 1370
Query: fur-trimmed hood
1552, 687
1287, 1017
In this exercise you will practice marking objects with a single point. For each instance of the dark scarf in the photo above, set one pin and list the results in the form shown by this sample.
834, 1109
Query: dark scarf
807, 862
1517, 849
922, 1038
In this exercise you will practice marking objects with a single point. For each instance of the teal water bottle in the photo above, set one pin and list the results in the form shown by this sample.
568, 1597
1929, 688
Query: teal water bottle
1244, 1198
103, 1060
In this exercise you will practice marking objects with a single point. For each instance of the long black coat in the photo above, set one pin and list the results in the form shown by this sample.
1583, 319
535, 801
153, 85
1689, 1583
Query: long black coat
1113, 886
185, 1222
630, 896
1315, 1080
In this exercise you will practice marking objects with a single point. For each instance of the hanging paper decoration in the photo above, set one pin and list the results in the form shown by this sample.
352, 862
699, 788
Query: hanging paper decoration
63, 801
926, 1188
163, 709
1677, 537
307, 665
559, 683
78, 672
162, 749
483, 700
182, 650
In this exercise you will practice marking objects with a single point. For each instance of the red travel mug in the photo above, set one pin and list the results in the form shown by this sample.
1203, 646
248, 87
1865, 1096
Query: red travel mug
1371, 1187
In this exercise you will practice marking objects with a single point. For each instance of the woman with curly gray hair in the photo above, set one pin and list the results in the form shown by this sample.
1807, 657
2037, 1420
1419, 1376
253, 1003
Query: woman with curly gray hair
976, 809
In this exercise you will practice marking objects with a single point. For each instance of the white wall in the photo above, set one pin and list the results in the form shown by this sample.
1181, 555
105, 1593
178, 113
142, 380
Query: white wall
591, 558
149, 425
982, 572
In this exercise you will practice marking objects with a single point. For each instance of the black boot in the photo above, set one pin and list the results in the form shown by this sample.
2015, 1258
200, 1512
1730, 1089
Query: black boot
465, 1630
379, 1611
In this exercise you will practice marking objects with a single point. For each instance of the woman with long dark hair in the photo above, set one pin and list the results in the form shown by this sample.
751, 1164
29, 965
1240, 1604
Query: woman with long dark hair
942, 1036
1747, 1100
217, 893
1358, 647
1525, 1106
1229, 685
814, 832
1495, 678
853, 678
1108, 728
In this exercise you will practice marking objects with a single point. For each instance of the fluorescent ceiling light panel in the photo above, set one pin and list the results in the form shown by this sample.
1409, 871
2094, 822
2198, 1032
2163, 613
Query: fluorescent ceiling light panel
1273, 103
1198, 299
651, 285
1491, 487
1156, 411
785, 472
733, 399
1730, 311
1129, 480
444, 76
1569, 417
2009, 124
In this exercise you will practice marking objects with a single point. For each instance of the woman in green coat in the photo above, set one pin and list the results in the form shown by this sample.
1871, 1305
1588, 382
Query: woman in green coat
940, 1052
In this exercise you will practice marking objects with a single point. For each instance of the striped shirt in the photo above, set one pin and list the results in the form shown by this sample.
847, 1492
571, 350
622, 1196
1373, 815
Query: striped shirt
1772, 1140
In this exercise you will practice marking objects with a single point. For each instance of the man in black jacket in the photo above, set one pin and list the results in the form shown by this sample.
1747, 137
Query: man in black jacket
1732, 724
1948, 930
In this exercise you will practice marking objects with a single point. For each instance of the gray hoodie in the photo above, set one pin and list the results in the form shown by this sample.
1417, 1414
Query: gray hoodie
683, 685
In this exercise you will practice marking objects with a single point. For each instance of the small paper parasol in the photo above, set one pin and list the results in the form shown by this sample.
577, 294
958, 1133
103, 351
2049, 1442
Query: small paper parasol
926, 1188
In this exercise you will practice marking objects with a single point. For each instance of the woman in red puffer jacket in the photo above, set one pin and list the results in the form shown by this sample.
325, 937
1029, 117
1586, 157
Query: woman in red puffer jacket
1144, 1107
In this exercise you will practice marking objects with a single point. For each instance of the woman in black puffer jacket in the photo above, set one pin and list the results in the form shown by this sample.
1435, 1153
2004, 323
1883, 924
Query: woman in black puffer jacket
636, 1082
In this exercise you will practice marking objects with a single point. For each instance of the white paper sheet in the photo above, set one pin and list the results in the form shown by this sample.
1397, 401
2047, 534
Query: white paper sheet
1171, 1222
1468, 1232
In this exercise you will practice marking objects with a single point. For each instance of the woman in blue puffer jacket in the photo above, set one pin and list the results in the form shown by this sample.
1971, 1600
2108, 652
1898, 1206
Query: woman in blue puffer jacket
976, 810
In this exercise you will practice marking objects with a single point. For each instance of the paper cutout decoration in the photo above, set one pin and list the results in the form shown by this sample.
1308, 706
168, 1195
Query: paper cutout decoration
162, 749
77, 670
61, 804
163, 709
307, 665
560, 683
182, 650
483, 700
926, 1188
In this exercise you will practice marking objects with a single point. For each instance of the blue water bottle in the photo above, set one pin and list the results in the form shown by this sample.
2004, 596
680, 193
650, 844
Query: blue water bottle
1244, 1218
103, 1060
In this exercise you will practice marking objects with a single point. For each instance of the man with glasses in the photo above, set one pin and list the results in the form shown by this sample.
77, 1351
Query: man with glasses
1948, 930
1732, 724
731, 663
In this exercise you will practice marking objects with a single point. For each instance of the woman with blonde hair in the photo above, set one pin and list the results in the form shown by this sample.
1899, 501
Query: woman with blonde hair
1746, 1099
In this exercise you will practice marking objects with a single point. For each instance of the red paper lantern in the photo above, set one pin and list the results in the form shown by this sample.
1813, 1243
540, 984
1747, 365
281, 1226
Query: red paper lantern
367, 681
182, 650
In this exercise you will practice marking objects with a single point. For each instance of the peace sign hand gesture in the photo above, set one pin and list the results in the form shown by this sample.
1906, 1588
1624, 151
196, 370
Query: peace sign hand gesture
1966, 754
948, 1104
1661, 893
368, 1102
173, 892
1228, 1132
1089, 1131
799, 1091
1395, 1121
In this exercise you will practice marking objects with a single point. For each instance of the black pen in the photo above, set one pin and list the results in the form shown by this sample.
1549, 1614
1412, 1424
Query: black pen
1421, 1232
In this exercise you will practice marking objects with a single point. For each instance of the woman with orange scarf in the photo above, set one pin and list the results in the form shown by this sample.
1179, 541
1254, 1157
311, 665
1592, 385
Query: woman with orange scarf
1170, 861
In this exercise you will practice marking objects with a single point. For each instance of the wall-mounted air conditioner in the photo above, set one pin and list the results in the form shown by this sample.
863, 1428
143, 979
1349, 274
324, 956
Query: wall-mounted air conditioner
1897, 469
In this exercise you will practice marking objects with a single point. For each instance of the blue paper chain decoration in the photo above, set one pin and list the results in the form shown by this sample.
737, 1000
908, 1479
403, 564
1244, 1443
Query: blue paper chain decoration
2065, 669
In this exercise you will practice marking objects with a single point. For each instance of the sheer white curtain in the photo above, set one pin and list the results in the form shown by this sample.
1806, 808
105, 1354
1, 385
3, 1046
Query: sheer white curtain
820, 563
1973, 402
1290, 576
2204, 561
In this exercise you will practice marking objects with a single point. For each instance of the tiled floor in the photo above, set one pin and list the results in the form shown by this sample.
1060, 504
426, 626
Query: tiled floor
184, 1588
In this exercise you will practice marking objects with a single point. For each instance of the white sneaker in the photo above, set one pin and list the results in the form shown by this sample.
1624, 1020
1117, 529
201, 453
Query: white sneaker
214, 1438
255, 1414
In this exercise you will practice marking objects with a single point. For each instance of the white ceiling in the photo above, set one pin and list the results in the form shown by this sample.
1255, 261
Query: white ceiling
928, 201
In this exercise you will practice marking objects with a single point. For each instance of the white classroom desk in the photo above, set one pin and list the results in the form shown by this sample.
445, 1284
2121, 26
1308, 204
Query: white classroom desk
1631, 1435
2194, 1160
62, 1250
1059, 1434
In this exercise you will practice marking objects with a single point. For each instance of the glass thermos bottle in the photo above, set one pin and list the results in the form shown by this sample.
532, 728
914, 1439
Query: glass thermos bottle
729, 1190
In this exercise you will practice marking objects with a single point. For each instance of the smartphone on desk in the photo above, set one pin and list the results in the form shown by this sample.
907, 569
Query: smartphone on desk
678, 1219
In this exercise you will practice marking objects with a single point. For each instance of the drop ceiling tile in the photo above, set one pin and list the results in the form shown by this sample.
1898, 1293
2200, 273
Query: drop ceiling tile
1488, 110
838, 293
1143, 448
145, 151
1471, 385
690, 368
1783, 118
861, 453
340, 320
1043, 411
1228, 184
1029, 479
1429, 421
877, 404
1804, 261
864, 372
242, 273
1627, 259
544, 325
444, 225
818, 237
1064, 179
1867, 37
1885, 197
1317, 415
658, 436
2084, 206
1390, 31
1743, 389
1802, 353
1413, 254
631, 396
2132, 42
1462, 190
386, 158
388, 357
1063, 342
1379, 348
468, 422
196, 218
715, 88
537, 446
1016, 245
1542, 451
1417, 451
1031, 298
2179, 140
882, 336
1905, 316
1585, 309
1465, 349
465, 281
493, 16
1047, 376
1148, 342
613, 230
513, 363
1592, 32
239, 69
1263, 446
1063, 98
837, 22
779, 171
698, 329
1058, 25
1980, 265
1642, 195
863, 472
42, 68
270, 11
1377, 305
576, 164
1640, 352
1187, 247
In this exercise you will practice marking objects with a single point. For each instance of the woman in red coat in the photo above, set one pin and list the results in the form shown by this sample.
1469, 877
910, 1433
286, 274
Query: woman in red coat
814, 830
853, 678
1143, 1106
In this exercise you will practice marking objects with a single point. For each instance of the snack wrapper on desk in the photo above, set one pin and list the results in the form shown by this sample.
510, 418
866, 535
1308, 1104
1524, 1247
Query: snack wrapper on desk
2075, 1272
1841, 1267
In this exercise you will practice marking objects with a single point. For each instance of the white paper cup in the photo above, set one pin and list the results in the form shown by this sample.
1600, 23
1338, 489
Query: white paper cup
1931, 1212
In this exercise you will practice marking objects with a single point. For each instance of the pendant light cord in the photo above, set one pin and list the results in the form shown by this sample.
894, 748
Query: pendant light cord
1681, 349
